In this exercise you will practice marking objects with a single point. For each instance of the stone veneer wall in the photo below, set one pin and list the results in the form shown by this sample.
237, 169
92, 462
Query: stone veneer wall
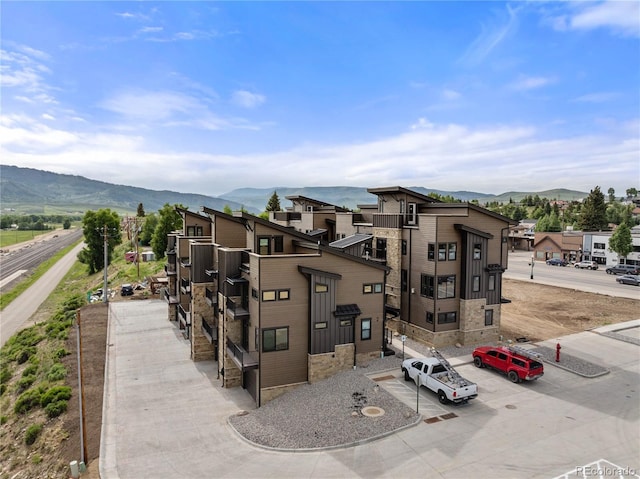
472, 328
394, 261
233, 331
201, 348
322, 366
269, 394
437, 340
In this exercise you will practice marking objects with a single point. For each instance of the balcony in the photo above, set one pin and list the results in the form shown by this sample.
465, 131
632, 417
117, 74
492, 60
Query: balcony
170, 269
211, 296
185, 286
236, 308
184, 319
185, 262
240, 356
169, 298
287, 216
210, 331
388, 220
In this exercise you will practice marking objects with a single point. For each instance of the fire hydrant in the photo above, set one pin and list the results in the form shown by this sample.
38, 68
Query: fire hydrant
558, 353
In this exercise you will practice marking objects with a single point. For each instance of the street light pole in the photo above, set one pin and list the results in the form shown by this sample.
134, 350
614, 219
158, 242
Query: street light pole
532, 265
105, 294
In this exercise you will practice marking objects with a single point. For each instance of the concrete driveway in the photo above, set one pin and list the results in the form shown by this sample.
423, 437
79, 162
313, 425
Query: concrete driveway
165, 417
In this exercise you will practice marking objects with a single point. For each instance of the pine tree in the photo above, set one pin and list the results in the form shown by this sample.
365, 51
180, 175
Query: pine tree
274, 203
593, 216
140, 210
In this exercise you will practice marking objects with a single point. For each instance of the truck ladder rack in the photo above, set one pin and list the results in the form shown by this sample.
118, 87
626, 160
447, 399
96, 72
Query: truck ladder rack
524, 352
453, 374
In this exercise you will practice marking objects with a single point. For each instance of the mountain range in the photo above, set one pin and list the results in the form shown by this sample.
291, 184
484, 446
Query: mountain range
28, 190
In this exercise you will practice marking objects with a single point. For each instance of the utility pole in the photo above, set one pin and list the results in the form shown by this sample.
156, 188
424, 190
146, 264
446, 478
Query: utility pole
105, 294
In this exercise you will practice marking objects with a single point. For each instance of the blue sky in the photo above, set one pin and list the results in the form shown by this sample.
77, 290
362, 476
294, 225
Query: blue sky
206, 97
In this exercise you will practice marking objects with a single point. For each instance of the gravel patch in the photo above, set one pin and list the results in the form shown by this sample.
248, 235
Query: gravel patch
328, 413
571, 363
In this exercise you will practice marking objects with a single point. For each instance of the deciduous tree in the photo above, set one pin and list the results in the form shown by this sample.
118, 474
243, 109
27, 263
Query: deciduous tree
168, 220
621, 241
95, 225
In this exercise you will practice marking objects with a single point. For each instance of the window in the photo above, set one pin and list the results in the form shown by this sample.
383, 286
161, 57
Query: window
269, 295
404, 247
365, 329
453, 249
381, 248
254, 293
488, 317
442, 251
276, 339
278, 244
367, 288
411, 213
476, 284
599, 246
477, 251
404, 277
446, 287
426, 285
194, 231
321, 288
283, 294
446, 318
401, 207
431, 252
264, 246
322, 325
492, 282
377, 287
429, 317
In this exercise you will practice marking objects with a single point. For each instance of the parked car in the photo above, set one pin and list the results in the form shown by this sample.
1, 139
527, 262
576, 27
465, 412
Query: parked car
440, 377
623, 269
557, 262
586, 265
517, 363
633, 279
126, 290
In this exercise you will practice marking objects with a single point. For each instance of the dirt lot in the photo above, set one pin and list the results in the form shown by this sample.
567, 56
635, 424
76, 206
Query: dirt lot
537, 312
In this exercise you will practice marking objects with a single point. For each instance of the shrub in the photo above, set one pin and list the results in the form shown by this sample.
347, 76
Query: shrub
36, 459
27, 401
5, 375
30, 370
3, 388
22, 355
3, 419
32, 433
54, 409
26, 381
57, 372
54, 394
61, 353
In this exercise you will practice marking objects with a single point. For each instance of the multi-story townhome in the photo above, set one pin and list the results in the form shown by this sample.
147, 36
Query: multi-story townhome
313, 217
196, 229
446, 262
276, 307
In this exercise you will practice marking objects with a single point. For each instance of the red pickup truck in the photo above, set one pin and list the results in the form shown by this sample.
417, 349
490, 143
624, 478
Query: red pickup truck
517, 363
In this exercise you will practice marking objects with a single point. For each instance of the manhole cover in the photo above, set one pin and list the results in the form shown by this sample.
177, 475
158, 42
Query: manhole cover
372, 411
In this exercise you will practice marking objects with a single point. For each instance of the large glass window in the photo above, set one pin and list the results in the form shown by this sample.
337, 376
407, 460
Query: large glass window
492, 282
477, 251
264, 246
446, 287
278, 244
365, 329
276, 339
426, 285
445, 318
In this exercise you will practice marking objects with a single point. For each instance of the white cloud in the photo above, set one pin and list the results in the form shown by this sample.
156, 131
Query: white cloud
621, 17
491, 159
150, 30
530, 83
491, 36
151, 105
600, 97
246, 99
449, 94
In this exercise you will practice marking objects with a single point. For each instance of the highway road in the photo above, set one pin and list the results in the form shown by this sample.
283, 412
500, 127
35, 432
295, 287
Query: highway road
568, 277
27, 256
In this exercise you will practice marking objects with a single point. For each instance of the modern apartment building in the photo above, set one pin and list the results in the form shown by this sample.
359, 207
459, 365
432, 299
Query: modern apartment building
275, 307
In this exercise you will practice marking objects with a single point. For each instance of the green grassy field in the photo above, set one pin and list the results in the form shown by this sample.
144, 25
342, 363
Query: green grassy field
10, 237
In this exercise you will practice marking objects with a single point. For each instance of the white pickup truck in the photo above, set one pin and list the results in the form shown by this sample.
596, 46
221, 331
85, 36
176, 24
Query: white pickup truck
441, 378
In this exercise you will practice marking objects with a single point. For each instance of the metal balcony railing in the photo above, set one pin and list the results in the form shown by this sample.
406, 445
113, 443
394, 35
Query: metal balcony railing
209, 330
185, 286
211, 296
240, 356
236, 309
